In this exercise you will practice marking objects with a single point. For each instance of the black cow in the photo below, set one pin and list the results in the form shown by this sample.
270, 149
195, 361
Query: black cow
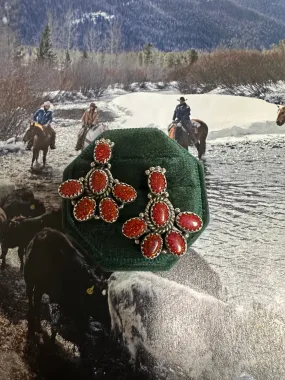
15, 206
20, 231
53, 266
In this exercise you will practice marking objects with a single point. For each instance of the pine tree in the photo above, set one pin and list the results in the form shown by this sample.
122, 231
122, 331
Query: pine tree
148, 53
67, 61
45, 52
192, 56
84, 54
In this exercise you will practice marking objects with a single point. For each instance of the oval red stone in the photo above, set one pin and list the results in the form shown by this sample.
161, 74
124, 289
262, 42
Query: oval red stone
102, 153
124, 193
134, 228
98, 181
152, 246
84, 209
109, 210
157, 182
176, 243
189, 221
71, 188
160, 214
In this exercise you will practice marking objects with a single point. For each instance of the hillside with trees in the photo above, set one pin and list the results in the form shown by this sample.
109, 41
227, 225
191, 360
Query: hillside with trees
167, 24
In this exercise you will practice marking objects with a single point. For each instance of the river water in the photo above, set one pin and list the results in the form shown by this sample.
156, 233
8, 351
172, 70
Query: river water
245, 240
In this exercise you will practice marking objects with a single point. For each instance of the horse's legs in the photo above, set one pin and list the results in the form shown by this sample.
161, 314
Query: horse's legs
37, 308
3, 256
21, 253
31, 314
45, 151
202, 138
55, 320
35, 156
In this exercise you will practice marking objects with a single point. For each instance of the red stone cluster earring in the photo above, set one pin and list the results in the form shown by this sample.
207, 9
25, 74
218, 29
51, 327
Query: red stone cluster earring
98, 188
167, 228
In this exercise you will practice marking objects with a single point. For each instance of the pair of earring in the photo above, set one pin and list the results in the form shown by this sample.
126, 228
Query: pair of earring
102, 196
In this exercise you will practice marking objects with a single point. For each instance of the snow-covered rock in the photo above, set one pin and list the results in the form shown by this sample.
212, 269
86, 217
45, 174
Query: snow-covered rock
194, 271
175, 332
12, 145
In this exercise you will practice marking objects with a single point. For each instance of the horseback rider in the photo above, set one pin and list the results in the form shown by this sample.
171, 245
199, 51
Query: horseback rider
89, 119
43, 116
182, 114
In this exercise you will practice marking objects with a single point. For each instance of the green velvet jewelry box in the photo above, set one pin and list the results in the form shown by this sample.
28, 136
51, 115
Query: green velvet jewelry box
134, 152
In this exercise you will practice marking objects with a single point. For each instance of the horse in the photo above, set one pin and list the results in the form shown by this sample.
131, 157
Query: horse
41, 141
201, 130
281, 115
93, 133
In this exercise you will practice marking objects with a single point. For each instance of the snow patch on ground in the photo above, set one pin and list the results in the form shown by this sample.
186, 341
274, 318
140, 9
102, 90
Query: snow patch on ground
225, 115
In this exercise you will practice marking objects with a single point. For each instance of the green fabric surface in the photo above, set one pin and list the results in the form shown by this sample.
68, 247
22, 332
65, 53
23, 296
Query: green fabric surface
135, 151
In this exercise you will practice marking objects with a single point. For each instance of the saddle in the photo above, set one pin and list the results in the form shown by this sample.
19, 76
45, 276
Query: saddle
41, 128
172, 129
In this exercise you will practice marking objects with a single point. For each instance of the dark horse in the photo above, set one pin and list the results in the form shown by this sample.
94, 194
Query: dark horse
201, 130
41, 141
281, 115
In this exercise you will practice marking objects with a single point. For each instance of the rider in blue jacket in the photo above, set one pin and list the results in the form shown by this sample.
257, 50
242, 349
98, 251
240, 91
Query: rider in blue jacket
182, 114
43, 116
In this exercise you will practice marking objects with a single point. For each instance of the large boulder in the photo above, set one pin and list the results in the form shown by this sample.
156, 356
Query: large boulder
174, 332
194, 271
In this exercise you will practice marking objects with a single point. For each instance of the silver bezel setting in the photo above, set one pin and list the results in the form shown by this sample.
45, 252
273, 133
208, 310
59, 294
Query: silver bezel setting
106, 142
137, 236
149, 218
186, 229
119, 199
168, 248
150, 172
90, 215
100, 210
143, 242
89, 179
75, 195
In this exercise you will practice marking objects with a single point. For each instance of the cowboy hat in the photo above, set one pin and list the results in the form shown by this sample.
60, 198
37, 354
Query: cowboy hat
182, 99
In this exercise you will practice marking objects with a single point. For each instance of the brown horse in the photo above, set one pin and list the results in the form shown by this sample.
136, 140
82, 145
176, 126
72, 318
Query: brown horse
281, 115
201, 130
41, 141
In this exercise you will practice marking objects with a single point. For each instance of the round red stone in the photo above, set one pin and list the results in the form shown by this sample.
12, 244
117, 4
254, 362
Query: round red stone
124, 193
157, 182
70, 189
109, 211
134, 228
189, 221
98, 181
84, 209
152, 246
160, 214
176, 243
102, 153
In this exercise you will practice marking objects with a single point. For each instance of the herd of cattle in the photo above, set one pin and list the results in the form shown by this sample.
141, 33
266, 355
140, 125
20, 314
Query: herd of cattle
51, 265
